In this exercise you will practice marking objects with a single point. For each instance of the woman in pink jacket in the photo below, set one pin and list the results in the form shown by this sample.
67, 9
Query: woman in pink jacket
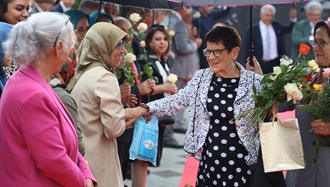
38, 139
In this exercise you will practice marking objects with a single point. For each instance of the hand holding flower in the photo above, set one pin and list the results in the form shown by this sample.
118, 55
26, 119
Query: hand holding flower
169, 87
146, 86
320, 127
172, 78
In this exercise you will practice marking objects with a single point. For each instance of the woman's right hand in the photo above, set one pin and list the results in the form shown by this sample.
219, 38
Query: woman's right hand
170, 88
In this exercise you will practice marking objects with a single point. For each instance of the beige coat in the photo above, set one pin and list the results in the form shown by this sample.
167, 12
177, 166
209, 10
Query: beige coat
102, 119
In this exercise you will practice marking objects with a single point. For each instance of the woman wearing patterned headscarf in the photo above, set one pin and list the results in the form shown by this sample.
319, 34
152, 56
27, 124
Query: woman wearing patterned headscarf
96, 91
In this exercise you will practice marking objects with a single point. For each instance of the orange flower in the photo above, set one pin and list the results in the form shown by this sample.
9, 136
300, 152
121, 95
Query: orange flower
304, 49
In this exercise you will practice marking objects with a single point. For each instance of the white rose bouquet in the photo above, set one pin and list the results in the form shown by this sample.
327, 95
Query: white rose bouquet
288, 83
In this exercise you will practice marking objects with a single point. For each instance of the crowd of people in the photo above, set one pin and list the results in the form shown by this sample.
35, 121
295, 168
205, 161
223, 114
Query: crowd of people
67, 112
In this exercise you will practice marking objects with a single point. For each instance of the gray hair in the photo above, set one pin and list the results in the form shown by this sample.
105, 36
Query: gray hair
313, 5
32, 39
265, 7
89, 6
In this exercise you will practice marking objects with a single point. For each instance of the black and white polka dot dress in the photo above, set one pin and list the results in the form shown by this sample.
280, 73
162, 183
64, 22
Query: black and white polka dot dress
223, 159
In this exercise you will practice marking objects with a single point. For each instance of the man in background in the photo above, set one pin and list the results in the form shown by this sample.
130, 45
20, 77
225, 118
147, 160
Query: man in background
111, 9
303, 31
183, 48
63, 6
267, 38
203, 20
42, 6
89, 6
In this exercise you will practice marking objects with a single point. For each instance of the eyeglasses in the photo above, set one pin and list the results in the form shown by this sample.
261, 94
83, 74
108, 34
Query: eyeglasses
61, 31
121, 44
81, 30
216, 53
320, 43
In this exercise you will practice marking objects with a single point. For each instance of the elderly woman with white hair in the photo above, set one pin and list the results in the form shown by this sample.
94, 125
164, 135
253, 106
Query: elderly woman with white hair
38, 139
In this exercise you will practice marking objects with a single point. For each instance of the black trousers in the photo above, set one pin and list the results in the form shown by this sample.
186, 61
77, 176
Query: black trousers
259, 178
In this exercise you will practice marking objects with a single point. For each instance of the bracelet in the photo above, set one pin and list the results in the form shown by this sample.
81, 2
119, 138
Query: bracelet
145, 106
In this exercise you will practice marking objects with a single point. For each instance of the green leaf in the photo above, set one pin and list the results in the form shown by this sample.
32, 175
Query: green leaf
314, 97
118, 74
266, 94
143, 57
148, 70
269, 105
153, 57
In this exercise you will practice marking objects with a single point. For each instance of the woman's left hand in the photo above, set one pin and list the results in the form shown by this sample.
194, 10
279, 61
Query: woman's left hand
256, 66
321, 128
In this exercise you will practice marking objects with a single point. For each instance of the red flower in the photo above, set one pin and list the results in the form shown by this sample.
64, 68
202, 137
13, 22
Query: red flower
309, 78
304, 49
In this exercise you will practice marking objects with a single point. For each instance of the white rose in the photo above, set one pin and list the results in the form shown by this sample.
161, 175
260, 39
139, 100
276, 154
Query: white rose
172, 78
171, 33
293, 92
130, 58
277, 70
135, 17
312, 63
142, 27
285, 62
197, 15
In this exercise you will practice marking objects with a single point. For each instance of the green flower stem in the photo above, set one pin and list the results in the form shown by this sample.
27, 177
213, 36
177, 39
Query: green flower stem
316, 148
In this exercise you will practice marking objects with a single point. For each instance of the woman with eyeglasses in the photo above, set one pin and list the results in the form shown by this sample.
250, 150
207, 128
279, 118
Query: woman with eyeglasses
80, 22
38, 140
227, 149
316, 175
95, 89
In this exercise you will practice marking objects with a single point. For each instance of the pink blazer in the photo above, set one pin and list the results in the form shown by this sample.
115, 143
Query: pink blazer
38, 140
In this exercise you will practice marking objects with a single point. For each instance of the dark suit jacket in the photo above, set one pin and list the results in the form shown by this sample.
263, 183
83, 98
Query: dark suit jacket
279, 28
57, 8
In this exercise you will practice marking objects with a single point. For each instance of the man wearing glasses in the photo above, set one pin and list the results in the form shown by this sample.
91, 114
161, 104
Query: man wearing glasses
302, 31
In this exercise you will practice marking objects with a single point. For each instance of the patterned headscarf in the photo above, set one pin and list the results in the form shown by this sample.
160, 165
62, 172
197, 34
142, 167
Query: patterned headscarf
96, 48
4, 32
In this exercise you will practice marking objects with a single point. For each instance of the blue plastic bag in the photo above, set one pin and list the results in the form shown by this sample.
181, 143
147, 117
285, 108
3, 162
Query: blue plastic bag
145, 140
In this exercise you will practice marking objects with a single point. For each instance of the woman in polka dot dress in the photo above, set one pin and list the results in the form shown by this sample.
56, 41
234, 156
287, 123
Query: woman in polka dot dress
225, 147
